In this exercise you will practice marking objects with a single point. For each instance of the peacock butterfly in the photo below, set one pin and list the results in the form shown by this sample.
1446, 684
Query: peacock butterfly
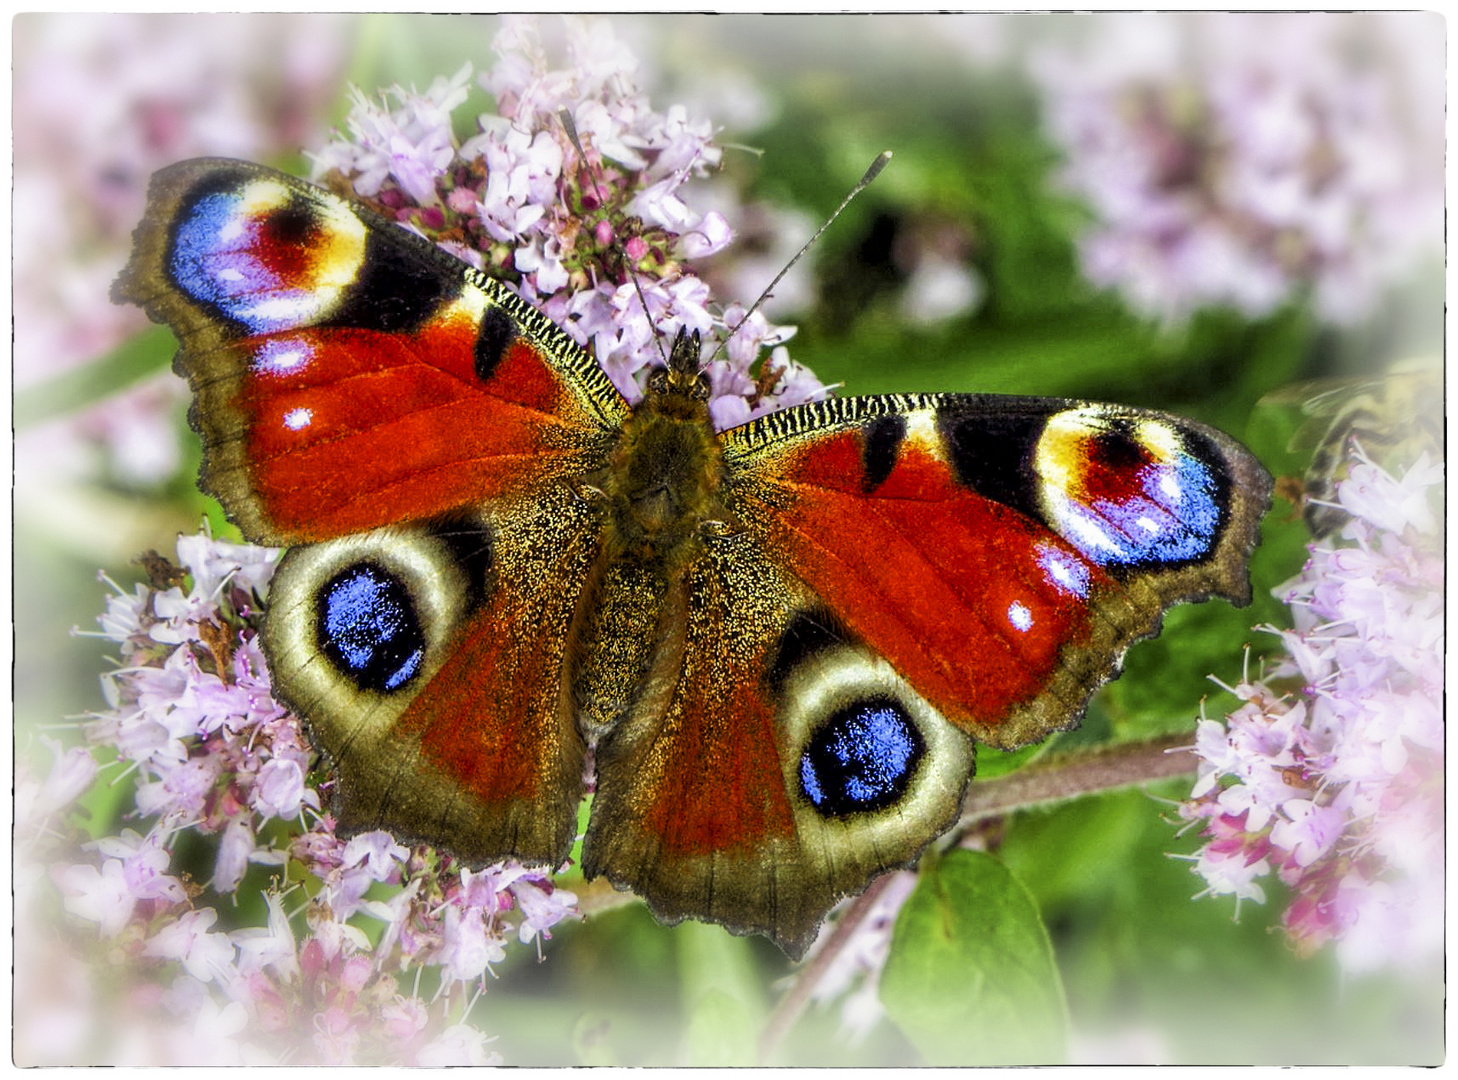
778, 642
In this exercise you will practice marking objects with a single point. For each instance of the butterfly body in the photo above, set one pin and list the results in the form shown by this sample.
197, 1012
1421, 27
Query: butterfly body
657, 495
773, 647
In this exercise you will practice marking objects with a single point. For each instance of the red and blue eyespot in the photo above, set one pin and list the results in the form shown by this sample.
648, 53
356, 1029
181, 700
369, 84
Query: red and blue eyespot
1127, 491
261, 256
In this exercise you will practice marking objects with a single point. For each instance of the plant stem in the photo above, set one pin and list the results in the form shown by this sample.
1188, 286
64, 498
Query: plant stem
1056, 778
792, 1004
1059, 777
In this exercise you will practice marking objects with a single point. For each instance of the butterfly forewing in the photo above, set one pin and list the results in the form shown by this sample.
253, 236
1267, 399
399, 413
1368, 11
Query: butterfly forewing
348, 373
1000, 552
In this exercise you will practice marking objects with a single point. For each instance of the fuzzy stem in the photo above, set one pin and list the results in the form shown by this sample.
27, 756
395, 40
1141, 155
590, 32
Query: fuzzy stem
1059, 777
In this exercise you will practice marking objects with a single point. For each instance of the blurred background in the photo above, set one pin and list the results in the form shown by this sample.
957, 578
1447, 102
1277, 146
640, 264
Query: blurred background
1194, 213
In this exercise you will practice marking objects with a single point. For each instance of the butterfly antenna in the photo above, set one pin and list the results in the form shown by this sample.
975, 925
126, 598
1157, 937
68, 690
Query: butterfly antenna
571, 128
875, 170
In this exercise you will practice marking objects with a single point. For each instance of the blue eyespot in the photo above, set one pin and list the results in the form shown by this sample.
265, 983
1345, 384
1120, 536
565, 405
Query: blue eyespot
214, 257
249, 265
368, 629
862, 758
1175, 518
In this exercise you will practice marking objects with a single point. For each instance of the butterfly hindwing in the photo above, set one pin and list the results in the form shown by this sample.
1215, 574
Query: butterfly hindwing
348, 373
430, 665
775, 764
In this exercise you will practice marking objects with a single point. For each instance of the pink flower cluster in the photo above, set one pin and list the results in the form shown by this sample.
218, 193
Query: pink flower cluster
1336, 785
1248, 160
101, 102
588, 239
211, 754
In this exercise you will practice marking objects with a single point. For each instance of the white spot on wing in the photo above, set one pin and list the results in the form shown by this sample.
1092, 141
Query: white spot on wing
1020, 616
1068, 574
921, 430
290, 309
282, 357
1086, 534
296, 419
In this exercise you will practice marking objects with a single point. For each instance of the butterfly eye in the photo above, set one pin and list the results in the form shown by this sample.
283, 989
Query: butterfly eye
368, 629
658, 380
861, 758
701, 387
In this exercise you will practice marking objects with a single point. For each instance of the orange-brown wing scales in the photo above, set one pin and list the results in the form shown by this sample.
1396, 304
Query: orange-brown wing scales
430, 665
497, 719
702, 803
348, 373
686, 772
702, 787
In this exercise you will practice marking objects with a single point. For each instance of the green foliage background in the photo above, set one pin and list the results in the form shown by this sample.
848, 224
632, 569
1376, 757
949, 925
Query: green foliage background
1076, 937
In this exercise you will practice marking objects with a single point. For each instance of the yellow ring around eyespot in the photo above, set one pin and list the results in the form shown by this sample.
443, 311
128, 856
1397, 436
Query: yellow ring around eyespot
337, 252
1061, 455
1161, 440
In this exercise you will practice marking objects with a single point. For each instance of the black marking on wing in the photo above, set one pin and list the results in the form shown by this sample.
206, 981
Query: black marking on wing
810, 631
495, 337
880, 446
993, 454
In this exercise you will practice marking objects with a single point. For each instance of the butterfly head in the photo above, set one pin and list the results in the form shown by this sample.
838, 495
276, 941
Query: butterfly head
682, 378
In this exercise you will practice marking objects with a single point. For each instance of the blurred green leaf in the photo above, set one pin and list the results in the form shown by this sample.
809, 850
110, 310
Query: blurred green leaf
970, 978
721, 1031
130, 362
723, 996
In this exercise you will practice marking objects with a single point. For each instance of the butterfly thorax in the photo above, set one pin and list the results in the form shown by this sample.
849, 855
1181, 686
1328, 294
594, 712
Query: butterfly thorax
664, 474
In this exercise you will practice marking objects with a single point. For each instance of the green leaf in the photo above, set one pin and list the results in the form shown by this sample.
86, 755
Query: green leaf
970, 978
723, 995
721, 1031
130, 362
